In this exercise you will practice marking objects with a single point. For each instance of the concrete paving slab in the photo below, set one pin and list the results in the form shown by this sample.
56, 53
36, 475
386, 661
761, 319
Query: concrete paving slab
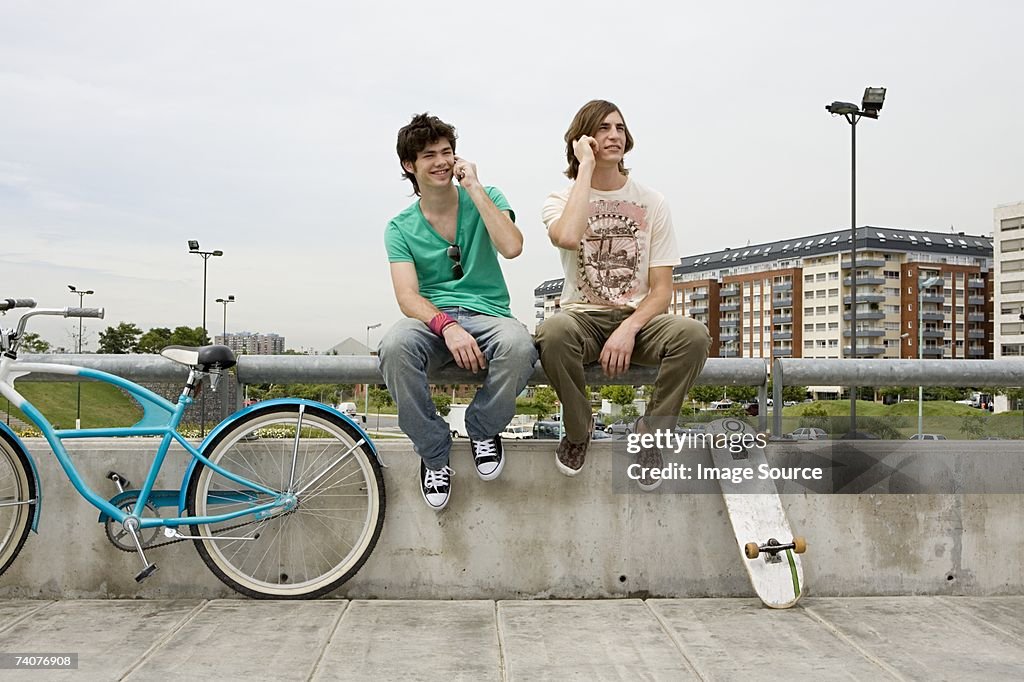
587, 640
16, 609
414, 640
725, 639
1001, 613
108, 636
922, 638
245, 640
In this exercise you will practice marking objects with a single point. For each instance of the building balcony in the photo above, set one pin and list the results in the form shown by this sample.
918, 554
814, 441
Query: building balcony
728, 337
782, 336
864, 280
729, 307
728, 354
868, 332
933, 298
782, 351
729, 324
782, 302
976, 352
976, 333
782, 286
865, 297
975, 284
731, 290
864, 350
865, 263
699, 310
933, 334
699, 296
975, 300
933, 317
933, 351
865, 315
782, 319
976, 317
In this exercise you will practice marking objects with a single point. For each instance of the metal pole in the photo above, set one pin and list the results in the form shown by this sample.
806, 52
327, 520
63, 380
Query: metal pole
78, 407
366, 393
853, 263
920, 353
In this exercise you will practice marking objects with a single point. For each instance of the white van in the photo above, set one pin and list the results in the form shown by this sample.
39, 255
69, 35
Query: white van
349, 410
457, 421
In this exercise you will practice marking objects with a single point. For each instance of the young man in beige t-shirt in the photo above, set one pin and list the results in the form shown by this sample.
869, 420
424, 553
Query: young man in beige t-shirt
617, 247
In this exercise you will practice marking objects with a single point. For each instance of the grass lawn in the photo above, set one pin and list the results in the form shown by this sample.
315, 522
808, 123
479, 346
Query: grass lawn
103, 405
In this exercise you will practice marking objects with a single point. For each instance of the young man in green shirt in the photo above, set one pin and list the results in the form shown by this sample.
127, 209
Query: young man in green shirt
443, 251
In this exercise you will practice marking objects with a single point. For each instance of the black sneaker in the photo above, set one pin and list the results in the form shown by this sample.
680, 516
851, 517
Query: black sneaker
488, 457
436, 486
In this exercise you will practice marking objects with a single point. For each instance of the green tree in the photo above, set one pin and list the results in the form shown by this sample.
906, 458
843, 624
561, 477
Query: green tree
155, 340
188, 336
796, 394
33, 343
973, 425
544, 399
619, 395
815, 415
124, 338
380, 397
706, 394
443, 403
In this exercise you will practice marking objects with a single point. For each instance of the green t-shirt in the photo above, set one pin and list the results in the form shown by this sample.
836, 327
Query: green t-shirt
409, 238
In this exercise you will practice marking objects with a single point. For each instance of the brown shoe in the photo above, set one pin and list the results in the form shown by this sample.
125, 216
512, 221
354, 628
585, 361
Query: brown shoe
649, 458
570, 457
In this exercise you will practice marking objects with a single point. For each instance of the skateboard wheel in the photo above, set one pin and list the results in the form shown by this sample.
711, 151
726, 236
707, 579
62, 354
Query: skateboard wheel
751, 550
799, 545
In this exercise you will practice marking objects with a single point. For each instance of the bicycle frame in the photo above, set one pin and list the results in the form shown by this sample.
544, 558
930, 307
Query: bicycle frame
160, 418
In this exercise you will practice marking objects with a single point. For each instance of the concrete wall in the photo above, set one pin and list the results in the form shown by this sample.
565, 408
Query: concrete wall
537, 534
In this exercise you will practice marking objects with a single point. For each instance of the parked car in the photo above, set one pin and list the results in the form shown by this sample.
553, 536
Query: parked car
620, 428
547, 430
517, 432
599, 424
807, 433
600, 435
927, 436
859, 435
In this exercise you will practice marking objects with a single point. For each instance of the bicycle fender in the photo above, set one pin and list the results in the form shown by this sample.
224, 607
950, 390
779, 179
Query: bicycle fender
7, 434
231, 419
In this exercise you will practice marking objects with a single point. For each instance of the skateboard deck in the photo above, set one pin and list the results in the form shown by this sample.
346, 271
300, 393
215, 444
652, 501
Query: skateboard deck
769, 550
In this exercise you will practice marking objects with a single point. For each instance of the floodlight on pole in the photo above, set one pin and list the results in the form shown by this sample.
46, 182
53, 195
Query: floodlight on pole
81, 295
871, 104
193, 247
225, 301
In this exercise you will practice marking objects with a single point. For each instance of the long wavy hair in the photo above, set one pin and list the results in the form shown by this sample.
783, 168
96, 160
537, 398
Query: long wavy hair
586, 122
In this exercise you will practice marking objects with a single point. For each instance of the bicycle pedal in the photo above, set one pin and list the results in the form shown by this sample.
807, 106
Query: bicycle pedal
145, 573
120, 481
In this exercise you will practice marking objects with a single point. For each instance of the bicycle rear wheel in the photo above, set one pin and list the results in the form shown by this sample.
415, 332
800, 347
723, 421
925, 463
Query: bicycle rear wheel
17, 487
312, 549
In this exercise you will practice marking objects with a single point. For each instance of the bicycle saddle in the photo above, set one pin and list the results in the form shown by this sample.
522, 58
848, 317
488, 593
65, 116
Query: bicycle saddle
203, 358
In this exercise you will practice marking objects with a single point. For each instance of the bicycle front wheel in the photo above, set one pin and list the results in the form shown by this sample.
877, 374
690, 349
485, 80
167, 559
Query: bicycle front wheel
17, 490
316, 546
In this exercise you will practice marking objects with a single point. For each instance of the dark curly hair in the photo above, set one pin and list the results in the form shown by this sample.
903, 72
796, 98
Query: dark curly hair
422, 130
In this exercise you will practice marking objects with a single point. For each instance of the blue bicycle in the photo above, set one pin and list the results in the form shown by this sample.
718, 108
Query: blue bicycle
283, 500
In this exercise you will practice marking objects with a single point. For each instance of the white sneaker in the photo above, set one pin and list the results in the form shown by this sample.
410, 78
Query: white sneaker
488, 457
435, 486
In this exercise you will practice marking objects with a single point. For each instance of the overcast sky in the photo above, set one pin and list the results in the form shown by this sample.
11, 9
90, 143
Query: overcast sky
267, 130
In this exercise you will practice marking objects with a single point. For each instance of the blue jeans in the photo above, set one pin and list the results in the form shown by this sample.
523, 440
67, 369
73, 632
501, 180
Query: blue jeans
410, 351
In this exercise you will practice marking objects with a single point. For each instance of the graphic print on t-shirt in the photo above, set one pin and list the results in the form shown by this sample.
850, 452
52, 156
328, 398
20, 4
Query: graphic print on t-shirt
615, 243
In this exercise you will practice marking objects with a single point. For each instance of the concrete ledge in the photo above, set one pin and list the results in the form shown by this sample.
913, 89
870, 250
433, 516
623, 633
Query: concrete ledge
537, 534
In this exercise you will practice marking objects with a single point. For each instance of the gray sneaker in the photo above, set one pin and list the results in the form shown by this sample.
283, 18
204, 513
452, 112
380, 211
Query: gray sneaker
649, 458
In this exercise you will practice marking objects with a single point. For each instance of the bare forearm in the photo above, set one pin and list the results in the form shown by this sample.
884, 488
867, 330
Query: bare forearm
654, 304
567, 231
507, 238
417, 307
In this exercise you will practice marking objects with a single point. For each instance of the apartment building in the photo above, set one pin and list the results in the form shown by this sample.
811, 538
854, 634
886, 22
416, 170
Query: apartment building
792, 298
1009, 291
251, 343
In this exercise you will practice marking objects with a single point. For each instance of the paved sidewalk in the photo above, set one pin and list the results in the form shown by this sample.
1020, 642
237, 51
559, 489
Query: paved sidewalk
870, 638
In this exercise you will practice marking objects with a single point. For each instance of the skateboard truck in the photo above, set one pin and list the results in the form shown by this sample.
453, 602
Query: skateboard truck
773, 548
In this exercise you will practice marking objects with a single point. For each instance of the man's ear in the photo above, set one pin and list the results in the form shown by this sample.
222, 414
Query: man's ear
409, 167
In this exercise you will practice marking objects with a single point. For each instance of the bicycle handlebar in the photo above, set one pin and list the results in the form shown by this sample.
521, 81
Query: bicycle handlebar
84, 312
11, 303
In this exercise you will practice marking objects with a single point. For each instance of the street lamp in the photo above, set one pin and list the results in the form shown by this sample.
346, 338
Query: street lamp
871, 105
922, 284
81, 295
193, 247
366, 398
225, 301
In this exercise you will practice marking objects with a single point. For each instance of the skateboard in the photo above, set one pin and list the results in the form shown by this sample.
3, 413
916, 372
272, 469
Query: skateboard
769, 550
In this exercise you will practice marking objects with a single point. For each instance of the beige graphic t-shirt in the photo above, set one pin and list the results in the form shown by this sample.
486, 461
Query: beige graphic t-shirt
628, 231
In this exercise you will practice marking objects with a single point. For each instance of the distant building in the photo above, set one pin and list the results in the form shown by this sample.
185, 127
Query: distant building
791, 298
1009, 275
349, 347
252, 343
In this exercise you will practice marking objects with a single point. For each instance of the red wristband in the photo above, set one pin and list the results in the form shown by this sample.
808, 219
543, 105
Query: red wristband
440, 322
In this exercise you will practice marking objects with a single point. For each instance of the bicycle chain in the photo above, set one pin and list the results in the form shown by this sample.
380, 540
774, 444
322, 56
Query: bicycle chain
174, 541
